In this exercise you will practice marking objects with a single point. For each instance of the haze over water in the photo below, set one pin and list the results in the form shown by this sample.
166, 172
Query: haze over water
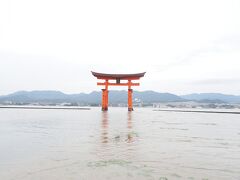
143, 144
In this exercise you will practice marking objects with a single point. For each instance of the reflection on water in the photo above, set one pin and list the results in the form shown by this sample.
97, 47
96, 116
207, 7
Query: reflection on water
104, 127
129, 134
129, 120
116, 145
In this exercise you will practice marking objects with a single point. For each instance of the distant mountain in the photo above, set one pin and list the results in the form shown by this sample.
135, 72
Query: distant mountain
214, 97
38, 95
50, 97
114, 97
152, 96
145, 96
93, 97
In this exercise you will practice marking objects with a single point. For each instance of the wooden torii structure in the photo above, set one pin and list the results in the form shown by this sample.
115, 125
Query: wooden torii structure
117, 78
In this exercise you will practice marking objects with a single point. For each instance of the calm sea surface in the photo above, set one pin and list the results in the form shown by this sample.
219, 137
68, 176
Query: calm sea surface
118, 145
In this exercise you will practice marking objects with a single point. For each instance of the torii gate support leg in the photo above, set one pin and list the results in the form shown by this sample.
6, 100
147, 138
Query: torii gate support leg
105, 97
104, 100
106, 107
130, 105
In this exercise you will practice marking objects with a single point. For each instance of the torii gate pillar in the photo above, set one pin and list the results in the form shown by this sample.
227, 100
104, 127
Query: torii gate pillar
104, 99
118, 78
130, 105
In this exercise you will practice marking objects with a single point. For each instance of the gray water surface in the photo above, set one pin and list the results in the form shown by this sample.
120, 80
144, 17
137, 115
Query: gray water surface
143, 144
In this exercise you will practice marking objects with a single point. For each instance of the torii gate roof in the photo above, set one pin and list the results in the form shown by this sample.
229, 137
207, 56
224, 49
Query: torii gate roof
118, 76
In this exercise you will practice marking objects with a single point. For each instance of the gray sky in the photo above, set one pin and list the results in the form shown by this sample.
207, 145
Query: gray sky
184, 46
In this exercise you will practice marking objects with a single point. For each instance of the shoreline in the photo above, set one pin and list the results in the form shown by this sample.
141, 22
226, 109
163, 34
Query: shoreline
55, 108
222, 112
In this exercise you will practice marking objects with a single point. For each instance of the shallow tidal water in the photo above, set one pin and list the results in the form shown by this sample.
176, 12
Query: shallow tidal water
118, 145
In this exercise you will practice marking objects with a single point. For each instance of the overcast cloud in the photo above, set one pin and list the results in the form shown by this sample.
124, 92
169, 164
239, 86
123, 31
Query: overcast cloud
184, 46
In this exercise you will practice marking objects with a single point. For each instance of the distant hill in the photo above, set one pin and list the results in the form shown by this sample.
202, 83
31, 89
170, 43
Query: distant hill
114, 97
214, 97
93, 97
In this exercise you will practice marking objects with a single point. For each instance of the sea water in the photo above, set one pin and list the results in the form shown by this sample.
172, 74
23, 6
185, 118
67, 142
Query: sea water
117, 145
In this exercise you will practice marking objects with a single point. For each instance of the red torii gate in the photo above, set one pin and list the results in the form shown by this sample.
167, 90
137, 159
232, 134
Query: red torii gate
118, 78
